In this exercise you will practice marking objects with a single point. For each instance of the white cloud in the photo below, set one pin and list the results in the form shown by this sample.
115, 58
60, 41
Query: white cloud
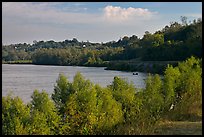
47, 13
37, 21
44, 13
121, 14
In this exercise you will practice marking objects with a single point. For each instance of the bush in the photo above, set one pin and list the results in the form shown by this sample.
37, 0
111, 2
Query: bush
15, 116
186, 86
82, 108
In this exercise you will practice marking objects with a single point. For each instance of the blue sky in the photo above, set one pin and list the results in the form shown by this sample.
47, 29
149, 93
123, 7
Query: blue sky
92, 21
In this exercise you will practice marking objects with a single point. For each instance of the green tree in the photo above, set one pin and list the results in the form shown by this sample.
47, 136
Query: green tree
80, 109
189, 91
124, 93
90, 109
15, 116
152, 40
158, 39
171, 82
42, 105
62, 90
183, 90
153, 100
109, 111
38, 124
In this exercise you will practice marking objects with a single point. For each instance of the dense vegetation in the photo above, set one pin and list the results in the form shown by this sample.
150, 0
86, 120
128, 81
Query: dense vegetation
175, 42
81, 107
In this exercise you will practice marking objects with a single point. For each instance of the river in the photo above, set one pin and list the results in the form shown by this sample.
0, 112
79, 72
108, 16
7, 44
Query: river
21, 80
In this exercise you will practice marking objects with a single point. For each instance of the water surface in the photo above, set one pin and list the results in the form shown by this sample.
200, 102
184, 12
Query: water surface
22, 80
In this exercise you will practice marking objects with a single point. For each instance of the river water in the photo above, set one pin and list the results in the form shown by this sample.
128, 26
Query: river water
22, 80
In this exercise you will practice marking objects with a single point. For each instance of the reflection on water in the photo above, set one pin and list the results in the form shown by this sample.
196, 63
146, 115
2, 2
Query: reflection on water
22, 80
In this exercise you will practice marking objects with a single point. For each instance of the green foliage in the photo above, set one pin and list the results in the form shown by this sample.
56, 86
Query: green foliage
153, 100
190, 88
170, 34
83, 99
124, 93
174, 42
90, 109
152, 40
171, 80
82, 108
109, 111
42, 107
185, 82
61, 92
38, 124
15, 116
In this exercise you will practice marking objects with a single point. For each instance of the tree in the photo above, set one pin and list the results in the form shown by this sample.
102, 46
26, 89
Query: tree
158, 40
74, 40
35, 42
15, 116
184, 20
42, 105
190, 88
152, 40
109, 111
123, 92
183, 89
4, 55
80, 107
126, 94
61, 92
38, 124
171, 82
153, 97
90, 109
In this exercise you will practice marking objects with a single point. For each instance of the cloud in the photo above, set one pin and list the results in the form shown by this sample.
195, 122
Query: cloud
123, 14
26, 21
48, 13
44, 13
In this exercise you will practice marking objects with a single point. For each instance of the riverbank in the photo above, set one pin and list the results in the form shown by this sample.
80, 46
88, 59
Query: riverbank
154, 67
141, 66
142, 113
18, 62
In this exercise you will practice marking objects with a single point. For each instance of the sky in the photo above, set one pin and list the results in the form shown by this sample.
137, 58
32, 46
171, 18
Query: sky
24, 22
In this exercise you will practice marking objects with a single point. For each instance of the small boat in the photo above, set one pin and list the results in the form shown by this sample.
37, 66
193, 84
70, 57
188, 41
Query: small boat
135, 73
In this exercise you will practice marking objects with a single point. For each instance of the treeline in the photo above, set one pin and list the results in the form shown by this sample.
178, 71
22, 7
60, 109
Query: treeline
82, 108
174, 42
75, 56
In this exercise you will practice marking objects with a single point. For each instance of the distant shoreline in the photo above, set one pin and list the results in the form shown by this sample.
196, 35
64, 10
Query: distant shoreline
154, 67
18, 62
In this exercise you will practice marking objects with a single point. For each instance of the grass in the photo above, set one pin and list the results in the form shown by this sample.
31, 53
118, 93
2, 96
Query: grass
179, 128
